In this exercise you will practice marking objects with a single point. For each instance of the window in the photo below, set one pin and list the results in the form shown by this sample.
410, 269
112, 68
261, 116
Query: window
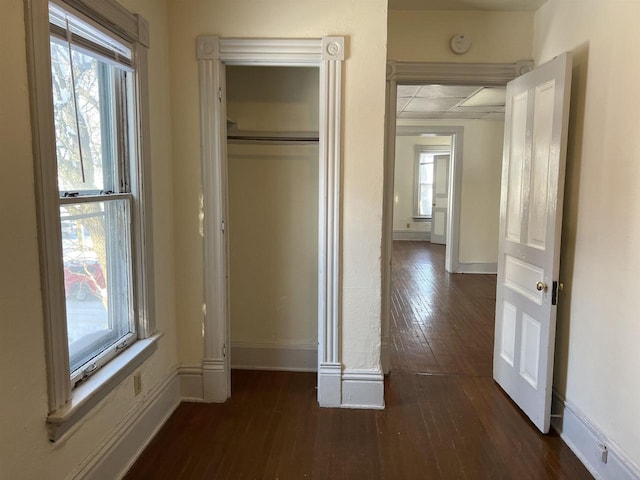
88, 89
424, 186
92, 91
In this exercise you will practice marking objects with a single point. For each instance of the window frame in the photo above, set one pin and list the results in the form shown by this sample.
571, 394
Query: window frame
417, 184
66, 404
419, 151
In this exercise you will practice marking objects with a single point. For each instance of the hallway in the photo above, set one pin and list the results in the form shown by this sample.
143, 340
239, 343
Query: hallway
444, 418
441, 323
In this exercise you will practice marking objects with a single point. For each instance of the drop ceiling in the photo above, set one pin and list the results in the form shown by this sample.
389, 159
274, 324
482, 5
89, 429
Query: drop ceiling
488, 5
450, 102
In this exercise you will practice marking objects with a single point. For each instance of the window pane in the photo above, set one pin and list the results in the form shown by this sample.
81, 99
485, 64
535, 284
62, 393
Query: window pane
85, 135
426, 172
97, 276
426, 196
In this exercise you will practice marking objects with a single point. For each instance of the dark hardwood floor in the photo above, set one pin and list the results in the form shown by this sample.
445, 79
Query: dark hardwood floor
445, 418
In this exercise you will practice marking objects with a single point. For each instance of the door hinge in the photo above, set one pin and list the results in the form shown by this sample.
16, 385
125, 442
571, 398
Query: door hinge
220, 94
222, 226
554, 293
224, 350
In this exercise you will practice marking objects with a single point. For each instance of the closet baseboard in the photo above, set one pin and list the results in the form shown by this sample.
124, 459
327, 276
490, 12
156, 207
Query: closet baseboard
255, 356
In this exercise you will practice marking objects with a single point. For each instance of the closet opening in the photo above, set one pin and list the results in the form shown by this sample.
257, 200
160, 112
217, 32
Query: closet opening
273, 216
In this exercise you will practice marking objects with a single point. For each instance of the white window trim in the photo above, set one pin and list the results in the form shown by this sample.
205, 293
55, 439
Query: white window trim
67, 405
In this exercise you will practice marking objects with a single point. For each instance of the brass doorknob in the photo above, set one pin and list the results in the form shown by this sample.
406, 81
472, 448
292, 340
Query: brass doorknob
540, 286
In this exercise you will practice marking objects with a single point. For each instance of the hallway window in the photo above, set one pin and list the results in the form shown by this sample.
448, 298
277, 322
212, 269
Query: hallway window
423, 191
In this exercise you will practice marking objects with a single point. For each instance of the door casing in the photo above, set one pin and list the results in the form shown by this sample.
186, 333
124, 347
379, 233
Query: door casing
213, 54
428, 73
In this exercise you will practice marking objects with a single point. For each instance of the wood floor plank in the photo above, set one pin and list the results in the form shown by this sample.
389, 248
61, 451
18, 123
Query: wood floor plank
445, 417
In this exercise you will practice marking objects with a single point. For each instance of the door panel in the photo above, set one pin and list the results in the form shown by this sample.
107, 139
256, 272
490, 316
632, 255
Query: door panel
542, 126
517, 150
440, 200
533, 167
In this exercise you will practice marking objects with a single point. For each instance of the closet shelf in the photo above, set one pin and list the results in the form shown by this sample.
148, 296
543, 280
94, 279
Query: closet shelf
242, 136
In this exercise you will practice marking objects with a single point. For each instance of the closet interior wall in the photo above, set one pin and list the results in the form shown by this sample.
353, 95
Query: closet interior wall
273, 218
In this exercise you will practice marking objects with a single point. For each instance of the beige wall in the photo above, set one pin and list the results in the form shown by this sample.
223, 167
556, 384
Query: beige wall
597, 359
496, 37
363, 22
480, 194
273, 209
25, 450
403, 181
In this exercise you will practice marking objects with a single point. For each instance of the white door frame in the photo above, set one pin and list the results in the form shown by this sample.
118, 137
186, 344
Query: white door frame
425, 73
213, 53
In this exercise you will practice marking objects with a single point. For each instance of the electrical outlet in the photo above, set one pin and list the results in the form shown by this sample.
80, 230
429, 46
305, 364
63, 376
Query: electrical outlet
137, 384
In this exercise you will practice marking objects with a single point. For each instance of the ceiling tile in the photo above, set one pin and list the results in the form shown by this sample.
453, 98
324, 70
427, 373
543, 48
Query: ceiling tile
486, 97
401, 103
464, 115
437, 91
405, 91
421, 115
422, 104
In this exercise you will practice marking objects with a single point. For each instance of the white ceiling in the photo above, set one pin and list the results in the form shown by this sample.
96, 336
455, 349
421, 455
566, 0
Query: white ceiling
495, 5
443, 101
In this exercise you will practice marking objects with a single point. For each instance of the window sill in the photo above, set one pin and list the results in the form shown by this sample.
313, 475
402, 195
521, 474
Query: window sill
94, 389
421, 219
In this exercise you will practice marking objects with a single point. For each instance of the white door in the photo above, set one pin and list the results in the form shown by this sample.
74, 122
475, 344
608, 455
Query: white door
440, 199
533, 170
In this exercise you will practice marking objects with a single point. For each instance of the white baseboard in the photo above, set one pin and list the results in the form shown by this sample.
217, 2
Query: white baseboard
348, 389
294, 358
191, 389
411, 235
586, 442
363, 389
126, 442
475, 267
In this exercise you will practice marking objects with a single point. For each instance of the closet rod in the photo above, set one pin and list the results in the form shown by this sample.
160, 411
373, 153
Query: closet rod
270, 138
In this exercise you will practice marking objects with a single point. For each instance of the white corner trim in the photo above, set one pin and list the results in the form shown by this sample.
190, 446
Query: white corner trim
191, 386
215, 371
117, 453
258, 356
329, 384
207, 47
411, 236
477, 267
333, 48
585, 441
363, 389
329, 230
